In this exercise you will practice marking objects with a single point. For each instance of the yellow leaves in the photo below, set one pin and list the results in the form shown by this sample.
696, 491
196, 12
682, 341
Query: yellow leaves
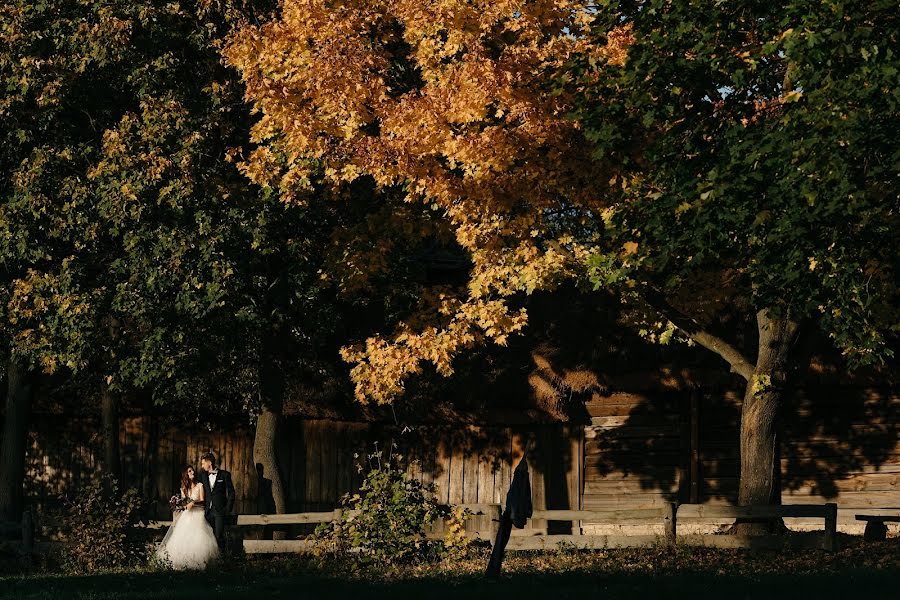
629, 248
473, 136
812, 263
381, 366
41, 296
792, 96
126, 191
619, 40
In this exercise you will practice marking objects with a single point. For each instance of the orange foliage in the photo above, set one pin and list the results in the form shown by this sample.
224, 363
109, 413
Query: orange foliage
452, 102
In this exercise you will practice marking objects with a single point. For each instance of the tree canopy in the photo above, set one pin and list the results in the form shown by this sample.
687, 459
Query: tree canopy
759, 139
450, 105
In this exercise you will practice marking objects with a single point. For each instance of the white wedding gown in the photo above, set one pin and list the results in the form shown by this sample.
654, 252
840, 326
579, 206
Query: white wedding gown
190, 542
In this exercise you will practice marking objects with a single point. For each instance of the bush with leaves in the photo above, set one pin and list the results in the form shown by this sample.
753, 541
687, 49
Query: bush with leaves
457, 544
100, 520
386, 521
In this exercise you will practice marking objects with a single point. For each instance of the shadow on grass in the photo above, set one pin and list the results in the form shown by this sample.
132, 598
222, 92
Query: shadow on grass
230, 584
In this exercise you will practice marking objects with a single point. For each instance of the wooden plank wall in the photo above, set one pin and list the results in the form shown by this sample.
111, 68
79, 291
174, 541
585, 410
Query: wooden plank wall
635, 451
64, 453
838, 444
322, 460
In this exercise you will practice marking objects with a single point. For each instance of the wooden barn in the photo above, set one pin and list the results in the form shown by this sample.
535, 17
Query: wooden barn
607, 419
644, 440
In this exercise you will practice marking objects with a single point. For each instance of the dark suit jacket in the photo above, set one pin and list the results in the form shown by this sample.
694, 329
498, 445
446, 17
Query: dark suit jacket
220, 497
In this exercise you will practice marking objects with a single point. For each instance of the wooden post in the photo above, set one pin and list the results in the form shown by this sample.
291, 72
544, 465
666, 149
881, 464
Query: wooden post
27, 534
830, 541
695, 446
495, 521
337, 519
669, 521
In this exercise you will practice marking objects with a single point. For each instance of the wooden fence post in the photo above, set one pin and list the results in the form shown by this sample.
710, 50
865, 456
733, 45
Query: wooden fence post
669, 520
695, 447
830, 541
495, 521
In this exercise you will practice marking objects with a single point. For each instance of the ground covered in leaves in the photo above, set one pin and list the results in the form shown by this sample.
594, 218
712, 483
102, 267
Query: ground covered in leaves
863, 570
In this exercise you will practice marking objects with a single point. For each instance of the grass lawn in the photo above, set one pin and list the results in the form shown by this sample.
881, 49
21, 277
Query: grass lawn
860, 571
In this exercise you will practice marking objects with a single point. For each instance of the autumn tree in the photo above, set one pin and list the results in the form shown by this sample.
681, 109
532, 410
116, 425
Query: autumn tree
448, 105
639, 144
137, 259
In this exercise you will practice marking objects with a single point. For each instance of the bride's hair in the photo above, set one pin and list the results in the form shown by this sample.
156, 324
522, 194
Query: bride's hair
186, 482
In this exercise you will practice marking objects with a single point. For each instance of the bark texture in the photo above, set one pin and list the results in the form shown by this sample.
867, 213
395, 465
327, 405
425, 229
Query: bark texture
265, 443
109, 408
760, 464
19, 396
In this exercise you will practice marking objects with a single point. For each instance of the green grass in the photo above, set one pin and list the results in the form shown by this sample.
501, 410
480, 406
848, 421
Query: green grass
861, 571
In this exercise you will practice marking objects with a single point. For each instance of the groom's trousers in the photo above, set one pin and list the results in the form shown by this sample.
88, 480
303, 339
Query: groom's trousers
217, 521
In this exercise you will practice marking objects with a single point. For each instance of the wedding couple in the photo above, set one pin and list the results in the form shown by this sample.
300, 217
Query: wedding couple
197, 536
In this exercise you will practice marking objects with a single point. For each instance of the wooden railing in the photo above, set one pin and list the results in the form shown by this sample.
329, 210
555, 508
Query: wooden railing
728, 514
668, 516
664, 515
875, 519
274, 546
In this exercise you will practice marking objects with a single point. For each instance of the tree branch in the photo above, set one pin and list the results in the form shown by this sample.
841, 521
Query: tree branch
693, 329
734, 357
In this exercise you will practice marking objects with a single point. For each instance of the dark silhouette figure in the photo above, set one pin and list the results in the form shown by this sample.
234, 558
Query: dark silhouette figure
517, 512
265, 499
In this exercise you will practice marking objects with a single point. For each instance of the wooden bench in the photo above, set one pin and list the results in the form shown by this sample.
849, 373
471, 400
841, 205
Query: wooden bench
706, 512
875, 520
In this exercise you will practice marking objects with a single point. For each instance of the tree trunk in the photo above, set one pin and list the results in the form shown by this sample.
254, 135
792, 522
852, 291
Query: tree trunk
265, 455
110, 418
760, 464
109, 411
148, 483
20, 392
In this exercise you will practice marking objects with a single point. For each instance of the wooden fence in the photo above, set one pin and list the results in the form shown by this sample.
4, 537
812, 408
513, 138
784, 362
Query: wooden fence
628, 451
669, 516
320, 460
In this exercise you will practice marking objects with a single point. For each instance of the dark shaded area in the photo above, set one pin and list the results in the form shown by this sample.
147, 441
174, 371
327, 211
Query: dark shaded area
265, 499
561, 377
517, 509
238, 583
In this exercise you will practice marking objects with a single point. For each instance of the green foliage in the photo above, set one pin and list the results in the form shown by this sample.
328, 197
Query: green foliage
100, 524
758, 138
119, 200
394, 511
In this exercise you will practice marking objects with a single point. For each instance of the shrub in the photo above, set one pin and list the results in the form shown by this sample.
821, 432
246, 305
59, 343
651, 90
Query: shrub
456, 543
100, 522
395, 511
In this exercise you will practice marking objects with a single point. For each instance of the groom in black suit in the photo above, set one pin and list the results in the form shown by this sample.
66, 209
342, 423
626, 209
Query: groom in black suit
219, 496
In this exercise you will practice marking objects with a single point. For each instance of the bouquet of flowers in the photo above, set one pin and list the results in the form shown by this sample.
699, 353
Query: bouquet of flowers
178, 503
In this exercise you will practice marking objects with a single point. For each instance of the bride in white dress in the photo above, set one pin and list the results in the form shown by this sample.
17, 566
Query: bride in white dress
190, 542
